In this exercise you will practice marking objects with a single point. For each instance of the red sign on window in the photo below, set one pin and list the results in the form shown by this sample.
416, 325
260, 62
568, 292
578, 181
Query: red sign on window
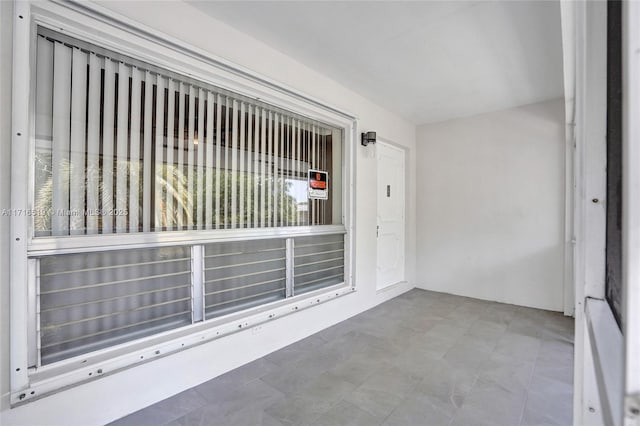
318, 184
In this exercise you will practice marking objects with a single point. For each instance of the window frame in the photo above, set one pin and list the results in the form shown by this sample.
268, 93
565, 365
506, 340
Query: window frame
96, 25
631, 209
599, 343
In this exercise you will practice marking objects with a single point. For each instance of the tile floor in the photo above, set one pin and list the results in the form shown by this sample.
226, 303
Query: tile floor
423, 358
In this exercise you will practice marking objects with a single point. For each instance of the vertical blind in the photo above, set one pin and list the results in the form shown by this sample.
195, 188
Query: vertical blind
125, 147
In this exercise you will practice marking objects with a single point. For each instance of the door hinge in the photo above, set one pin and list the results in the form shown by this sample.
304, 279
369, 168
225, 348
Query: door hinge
377, 231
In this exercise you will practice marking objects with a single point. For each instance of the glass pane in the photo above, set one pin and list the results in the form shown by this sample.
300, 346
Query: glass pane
123, 147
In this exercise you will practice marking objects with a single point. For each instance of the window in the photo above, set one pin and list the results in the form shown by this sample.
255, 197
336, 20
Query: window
124, 148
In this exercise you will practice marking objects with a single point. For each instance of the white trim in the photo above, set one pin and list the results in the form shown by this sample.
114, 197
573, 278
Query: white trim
631, 209
568, 18
349, 199
592, 133
33, 307
569, 303
579, 383
71, 244
290, 265
21, 134
391, 287
599, 346
197, 284
591, 407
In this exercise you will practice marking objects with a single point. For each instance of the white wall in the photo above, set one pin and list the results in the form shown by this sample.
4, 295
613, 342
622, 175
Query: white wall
490, 205
119, 394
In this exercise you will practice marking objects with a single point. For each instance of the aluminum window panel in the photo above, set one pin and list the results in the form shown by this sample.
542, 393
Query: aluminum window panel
318, 262
240, 275
94, 300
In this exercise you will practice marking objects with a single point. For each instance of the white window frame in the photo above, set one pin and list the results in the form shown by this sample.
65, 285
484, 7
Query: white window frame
598, 340
97, 25
607, 362
631, 209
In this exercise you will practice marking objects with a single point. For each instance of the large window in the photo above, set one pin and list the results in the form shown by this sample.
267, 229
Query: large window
123, 147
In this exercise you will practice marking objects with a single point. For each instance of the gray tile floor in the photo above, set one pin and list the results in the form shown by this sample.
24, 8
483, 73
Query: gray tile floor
423, 358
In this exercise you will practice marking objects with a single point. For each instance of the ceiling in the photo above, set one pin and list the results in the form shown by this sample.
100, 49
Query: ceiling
426, 61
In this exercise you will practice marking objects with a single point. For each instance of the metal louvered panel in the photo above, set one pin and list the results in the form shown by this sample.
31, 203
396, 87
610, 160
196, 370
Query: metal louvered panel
91, 301
241, 275
318, 262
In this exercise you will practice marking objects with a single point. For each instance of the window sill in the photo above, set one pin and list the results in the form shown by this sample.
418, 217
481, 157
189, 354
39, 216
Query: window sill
42, 246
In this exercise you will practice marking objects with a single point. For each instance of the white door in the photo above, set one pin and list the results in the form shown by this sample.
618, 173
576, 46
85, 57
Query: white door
390, 178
